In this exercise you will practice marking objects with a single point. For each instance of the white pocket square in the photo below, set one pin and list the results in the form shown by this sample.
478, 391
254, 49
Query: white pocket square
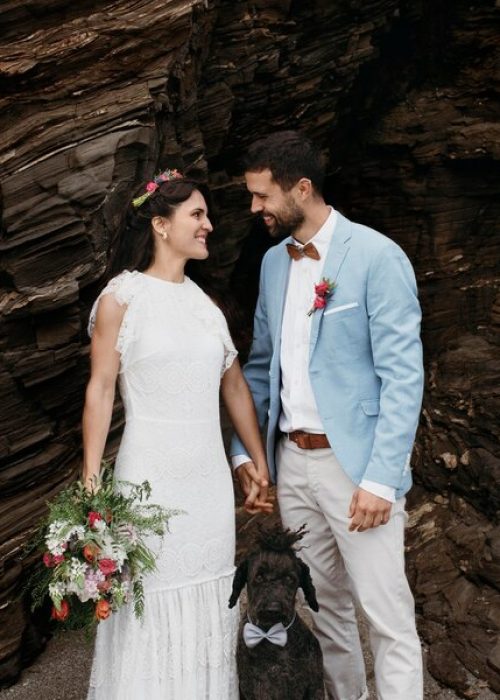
336, 309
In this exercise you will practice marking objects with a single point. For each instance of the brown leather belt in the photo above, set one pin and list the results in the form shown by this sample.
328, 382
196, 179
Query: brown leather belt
308, 441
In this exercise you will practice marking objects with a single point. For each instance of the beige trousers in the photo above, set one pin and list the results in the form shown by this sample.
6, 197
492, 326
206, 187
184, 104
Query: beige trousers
347, 567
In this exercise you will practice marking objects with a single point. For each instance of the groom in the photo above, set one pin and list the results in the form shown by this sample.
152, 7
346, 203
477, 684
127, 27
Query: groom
337, 374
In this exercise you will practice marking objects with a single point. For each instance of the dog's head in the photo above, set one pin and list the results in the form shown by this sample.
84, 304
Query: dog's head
272, 574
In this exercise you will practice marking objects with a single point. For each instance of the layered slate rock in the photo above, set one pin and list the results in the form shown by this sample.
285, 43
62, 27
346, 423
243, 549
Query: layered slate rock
403, 99
438, 138
89, 96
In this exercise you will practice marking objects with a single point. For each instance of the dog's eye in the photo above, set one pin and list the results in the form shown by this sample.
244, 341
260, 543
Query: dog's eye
258, 578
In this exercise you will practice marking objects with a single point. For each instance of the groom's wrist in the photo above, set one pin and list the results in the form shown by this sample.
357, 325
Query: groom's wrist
380, 490
238, 460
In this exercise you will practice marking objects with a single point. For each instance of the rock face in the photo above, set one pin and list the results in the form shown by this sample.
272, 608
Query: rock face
402, 97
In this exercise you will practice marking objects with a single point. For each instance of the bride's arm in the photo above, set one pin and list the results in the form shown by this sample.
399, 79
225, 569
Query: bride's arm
100, 393
239, 403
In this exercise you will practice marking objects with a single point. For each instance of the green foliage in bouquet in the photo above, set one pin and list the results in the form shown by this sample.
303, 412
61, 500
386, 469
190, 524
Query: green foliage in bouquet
94, 552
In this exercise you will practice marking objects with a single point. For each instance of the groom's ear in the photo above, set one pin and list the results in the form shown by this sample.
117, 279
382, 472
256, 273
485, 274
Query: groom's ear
239, 581
304, 188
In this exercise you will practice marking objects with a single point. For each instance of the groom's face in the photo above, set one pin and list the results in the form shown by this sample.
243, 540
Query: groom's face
278, 209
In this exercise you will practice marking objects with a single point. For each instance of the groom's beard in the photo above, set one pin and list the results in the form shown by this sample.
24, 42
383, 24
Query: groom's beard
286, 221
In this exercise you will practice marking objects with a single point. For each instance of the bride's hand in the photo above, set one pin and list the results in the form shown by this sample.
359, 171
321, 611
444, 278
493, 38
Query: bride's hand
254, 484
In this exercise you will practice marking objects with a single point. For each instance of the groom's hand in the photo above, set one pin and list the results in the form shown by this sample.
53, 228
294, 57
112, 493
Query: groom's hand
367, 511
254, 485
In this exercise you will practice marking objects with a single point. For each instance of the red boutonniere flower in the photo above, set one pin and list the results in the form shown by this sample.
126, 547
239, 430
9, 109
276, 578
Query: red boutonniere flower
323, 290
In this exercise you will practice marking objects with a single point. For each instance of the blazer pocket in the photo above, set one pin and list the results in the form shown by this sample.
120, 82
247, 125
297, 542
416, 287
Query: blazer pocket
371, 407
344, 307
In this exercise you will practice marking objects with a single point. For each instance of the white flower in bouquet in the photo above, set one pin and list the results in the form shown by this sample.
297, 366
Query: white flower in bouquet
128, 531
57, 591
111, 549
76, 532
120, 592
56, 539
97, 550
99, 526
77, 570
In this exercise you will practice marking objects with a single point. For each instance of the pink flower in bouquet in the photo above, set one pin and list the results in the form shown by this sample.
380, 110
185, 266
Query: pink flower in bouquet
93, 579
93, 518
61, 614
102, 610
104, 586
57, 559
107, 566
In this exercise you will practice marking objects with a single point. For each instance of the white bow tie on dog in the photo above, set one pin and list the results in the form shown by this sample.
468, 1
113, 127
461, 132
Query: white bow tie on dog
277, 634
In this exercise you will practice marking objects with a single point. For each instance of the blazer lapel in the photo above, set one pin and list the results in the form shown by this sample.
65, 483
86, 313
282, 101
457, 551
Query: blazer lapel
337, 252
282, 271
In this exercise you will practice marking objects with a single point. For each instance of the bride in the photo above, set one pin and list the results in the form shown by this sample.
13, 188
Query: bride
169, 346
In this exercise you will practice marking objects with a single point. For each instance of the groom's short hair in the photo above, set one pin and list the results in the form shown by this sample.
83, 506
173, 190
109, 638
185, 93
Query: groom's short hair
289, 156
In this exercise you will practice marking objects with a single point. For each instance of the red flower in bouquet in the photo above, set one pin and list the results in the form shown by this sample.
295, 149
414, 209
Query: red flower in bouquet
52, 560
91, 552
95, 551
62, 613
93, 518
107, 566
323, 291
102, 610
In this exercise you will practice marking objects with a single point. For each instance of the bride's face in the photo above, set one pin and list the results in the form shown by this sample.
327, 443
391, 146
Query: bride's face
186, 231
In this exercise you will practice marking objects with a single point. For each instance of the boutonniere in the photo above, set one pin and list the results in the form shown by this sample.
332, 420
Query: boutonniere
323, 291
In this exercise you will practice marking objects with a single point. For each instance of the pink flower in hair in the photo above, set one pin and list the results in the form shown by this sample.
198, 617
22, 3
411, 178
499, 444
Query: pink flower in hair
151, 187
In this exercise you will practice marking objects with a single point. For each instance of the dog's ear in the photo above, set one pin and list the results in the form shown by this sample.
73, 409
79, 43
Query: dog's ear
239, 581
307, 586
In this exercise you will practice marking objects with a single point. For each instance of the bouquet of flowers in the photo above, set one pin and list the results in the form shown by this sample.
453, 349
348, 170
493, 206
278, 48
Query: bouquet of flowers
94, 553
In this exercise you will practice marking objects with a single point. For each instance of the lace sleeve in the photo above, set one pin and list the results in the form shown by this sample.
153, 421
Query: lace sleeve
230, 352
123, 288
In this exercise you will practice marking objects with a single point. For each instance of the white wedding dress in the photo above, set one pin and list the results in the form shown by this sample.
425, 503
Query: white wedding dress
174, 346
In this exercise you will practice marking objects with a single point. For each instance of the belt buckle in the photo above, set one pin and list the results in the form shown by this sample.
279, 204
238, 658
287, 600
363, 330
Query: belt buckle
302, 440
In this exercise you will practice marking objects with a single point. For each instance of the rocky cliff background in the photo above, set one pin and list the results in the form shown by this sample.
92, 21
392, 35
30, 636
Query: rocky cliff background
404, 99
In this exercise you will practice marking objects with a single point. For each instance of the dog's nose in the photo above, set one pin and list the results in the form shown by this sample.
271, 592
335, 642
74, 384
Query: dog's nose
273, 607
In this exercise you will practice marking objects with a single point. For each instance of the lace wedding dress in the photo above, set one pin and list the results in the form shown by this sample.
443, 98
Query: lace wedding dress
174, 346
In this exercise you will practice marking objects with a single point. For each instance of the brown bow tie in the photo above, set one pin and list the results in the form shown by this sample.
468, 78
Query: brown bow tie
296, 253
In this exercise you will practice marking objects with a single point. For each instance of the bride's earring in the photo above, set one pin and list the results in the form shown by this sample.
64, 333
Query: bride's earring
159, 227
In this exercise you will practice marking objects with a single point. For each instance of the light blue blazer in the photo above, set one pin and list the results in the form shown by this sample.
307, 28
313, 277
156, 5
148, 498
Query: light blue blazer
365, 359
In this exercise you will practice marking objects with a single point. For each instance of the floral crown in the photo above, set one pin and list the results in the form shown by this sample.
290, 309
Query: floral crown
152, 186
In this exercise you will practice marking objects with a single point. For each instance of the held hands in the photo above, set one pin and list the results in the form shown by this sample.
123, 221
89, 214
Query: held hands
254, 483
367, 511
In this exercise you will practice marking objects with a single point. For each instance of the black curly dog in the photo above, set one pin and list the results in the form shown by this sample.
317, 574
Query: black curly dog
272, 574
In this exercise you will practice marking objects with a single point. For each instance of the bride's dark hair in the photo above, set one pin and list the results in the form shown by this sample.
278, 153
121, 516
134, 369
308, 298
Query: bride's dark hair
132, 246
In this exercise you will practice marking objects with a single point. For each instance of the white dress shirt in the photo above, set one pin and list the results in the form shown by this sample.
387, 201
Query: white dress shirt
299, 410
